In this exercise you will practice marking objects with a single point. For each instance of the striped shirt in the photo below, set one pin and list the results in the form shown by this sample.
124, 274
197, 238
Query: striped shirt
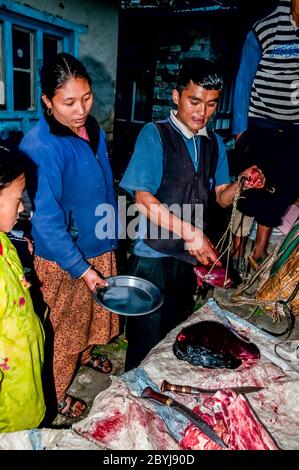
275, 89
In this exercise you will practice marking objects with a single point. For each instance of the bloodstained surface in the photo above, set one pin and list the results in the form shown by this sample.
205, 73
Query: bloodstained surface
122, 422
106, 427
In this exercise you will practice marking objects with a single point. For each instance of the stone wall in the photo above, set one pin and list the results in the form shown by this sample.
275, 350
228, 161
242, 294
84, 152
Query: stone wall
170, 58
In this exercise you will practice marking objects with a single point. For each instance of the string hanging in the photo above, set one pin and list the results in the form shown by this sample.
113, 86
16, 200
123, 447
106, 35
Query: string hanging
229, 231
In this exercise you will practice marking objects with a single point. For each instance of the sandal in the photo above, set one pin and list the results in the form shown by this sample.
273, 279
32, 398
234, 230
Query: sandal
69, 403
100, 363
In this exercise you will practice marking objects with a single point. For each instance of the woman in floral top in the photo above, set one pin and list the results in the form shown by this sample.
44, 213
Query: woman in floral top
21, 333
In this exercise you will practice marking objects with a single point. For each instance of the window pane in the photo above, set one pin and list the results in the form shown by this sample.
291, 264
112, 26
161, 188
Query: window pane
123, 100
141, 110
51, 46
2, 84
21, 49
22, 90
23, 69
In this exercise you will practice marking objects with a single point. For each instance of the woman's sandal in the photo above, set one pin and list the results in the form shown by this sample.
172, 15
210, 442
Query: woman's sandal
68, 403
100, 363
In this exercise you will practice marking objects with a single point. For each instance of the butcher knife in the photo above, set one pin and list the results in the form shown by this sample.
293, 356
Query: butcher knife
168, 387
148, 392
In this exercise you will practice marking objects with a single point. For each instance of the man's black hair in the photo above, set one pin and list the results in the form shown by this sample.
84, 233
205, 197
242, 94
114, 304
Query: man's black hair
202, 72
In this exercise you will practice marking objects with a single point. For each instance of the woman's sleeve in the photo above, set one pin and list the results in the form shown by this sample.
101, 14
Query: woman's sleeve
48, 221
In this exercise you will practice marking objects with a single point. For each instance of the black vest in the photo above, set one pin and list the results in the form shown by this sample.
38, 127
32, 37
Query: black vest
181, 184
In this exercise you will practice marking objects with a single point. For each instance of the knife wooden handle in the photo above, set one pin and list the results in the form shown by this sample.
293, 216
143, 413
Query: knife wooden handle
148, 392
167, 387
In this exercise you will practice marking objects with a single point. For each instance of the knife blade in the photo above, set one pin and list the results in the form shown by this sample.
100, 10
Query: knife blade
168, 387
148, 392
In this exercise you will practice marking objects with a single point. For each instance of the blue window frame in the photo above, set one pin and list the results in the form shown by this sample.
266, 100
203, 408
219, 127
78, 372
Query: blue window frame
28, 38
2, 84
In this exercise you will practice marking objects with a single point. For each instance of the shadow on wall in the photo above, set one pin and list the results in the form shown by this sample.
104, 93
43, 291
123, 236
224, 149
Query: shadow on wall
103, 90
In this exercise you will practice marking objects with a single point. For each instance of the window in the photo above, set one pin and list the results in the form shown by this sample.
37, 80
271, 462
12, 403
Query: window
23, 69
123, 100
133, 100
140, 102
51, 46
26, 49
2, 86
28, 38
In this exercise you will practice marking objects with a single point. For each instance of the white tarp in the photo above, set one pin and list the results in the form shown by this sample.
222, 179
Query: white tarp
120, 419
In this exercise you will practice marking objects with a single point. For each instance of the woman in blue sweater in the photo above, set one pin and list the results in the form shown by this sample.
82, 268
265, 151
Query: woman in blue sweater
73, 203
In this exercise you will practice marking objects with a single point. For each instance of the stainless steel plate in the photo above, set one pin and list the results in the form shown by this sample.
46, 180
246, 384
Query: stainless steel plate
129, 295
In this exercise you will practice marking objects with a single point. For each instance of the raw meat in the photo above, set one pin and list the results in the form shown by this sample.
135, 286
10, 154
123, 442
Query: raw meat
234, 421
211, 344
215, 278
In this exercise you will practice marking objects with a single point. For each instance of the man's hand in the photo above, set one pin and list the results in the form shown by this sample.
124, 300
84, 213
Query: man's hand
196, 242
92, 279
200, 246
253, 178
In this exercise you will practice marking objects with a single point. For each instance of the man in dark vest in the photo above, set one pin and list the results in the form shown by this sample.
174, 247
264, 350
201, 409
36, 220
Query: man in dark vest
176, 167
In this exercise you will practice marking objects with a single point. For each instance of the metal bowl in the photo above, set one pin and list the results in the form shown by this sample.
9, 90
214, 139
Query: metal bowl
129, 295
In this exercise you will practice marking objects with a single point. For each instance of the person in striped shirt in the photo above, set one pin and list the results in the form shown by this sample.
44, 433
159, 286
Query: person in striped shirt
266, 118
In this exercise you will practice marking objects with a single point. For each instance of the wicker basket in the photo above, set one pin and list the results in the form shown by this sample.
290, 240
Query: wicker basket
282, 284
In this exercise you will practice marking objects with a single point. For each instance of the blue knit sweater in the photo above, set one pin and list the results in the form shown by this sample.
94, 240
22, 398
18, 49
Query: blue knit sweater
72, 183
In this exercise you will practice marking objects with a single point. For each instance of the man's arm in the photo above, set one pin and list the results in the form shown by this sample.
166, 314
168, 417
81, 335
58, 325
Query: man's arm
251, 56
197, 243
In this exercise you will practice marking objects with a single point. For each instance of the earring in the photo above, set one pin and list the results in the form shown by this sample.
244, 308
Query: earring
49, 111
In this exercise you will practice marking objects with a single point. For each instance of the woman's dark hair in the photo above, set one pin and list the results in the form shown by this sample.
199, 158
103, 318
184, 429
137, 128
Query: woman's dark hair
12, 166
202, 72
57, 71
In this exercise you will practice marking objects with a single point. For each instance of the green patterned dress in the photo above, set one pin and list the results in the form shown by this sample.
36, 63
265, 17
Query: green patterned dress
21, 347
